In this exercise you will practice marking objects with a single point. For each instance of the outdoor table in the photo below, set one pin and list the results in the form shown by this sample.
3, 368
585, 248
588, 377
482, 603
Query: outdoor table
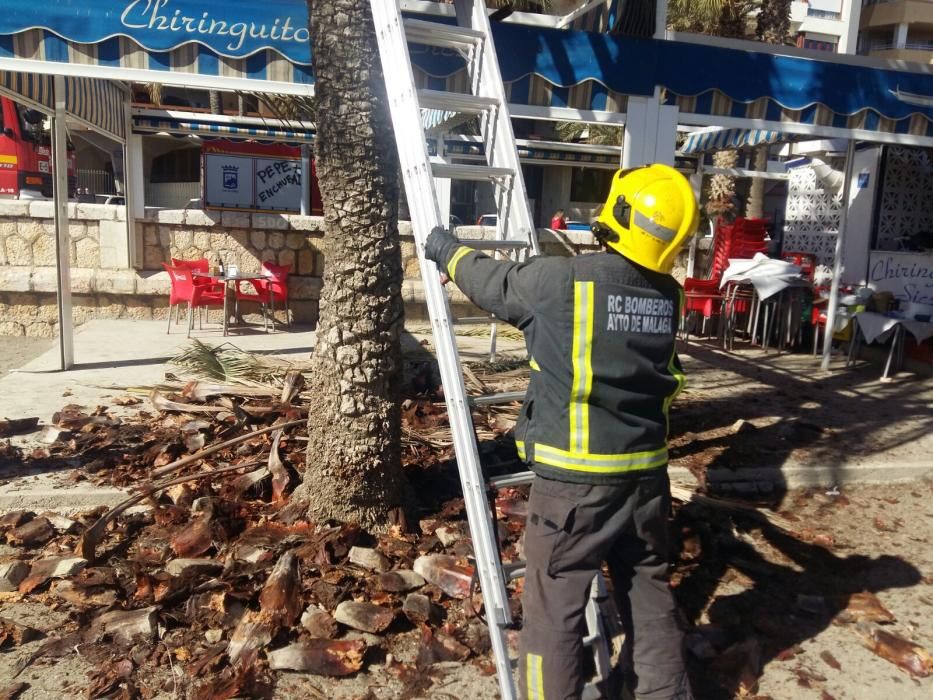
873, 326
239, 277
775, 286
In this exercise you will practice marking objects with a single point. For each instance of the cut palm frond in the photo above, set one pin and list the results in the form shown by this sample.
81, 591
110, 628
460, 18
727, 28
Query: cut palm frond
230, 364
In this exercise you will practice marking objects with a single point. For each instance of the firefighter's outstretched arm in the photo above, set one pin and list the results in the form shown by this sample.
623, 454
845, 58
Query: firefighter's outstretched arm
510, 290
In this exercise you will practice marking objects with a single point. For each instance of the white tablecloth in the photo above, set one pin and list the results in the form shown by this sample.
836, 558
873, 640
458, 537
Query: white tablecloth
878, 326
767, 275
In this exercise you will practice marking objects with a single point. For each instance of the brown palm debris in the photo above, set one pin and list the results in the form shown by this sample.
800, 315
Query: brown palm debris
899, 651
280, 476
13, 634
195, 539
18, 426
280, 599
865, 606
11, 692
113, 680
321, 657
830, 660
36, 532
92, 536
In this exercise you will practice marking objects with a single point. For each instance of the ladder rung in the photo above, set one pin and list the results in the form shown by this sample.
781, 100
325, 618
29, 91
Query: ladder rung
457, 171
493, 399
449, 36
456, 101
473, 320
501, 482
480, 244
513, 571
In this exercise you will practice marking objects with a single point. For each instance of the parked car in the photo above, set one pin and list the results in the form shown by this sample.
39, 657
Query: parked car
488, 220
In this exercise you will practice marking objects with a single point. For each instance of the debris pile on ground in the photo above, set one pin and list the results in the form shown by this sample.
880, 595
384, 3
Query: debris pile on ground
202, 568
203, 583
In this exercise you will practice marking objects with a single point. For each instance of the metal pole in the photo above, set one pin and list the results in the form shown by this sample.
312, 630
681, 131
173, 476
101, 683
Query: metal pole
837, 264
132, 204
62, 232
305, 180
696, 180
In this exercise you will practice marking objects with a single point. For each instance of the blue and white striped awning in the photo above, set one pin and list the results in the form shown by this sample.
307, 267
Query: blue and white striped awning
709, 140
122, 58
98, 104
208, 130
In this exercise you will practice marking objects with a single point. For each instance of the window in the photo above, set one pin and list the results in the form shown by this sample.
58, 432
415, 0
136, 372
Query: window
183, 165
804, 43
590, 184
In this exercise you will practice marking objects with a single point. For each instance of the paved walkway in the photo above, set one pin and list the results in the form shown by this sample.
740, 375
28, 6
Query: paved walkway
870, 431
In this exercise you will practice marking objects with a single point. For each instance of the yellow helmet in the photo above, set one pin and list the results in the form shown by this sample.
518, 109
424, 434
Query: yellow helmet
650, 212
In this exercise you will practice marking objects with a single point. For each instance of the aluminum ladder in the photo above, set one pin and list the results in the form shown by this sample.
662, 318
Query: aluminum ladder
471, 37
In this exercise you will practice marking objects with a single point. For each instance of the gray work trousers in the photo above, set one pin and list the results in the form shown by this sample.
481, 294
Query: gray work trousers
571, 530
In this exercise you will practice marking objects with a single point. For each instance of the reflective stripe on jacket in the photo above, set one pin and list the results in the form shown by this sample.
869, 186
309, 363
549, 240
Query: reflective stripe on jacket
600, 332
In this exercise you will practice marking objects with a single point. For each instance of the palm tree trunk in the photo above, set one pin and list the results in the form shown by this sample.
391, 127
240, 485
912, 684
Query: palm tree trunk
722, 201
216, 102
353, 468
755, 207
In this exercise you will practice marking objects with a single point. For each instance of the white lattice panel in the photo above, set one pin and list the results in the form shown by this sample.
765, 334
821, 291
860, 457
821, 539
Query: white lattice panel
907, 195
811, 221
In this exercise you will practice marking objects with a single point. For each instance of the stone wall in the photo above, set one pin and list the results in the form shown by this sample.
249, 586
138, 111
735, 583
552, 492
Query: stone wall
103, 287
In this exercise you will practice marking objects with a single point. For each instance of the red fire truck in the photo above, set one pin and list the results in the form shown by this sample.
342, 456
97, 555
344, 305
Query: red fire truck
26, 154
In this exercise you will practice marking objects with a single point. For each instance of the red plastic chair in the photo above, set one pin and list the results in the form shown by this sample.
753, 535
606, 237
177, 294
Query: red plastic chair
199, 265
740, 239
185, 289
805, 261
269, 291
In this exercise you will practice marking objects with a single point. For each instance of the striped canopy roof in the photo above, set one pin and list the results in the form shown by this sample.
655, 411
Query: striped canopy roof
209, 130
98, 104
709, 140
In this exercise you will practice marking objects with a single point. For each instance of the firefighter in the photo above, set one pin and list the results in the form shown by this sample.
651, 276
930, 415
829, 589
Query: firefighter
600, 331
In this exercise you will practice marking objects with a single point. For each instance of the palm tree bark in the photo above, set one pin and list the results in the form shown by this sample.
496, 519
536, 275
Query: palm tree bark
722, 200
354, 468
755, 207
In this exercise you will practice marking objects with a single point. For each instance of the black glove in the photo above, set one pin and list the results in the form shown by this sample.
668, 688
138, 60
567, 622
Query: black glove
440, 246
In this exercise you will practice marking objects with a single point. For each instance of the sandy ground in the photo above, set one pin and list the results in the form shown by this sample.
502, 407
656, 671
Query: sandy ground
16, 351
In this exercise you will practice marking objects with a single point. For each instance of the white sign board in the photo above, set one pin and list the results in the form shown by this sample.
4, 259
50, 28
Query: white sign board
278, 184
228, 181
252, 182
909, 276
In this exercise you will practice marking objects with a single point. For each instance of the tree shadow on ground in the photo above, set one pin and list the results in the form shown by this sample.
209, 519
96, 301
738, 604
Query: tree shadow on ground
788, 597
820, 422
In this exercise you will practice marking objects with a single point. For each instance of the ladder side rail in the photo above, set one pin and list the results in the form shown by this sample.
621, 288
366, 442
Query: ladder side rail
419, 184
501, 149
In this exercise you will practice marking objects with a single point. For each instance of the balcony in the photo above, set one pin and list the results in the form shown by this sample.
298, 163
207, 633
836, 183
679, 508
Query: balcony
913, 52
883, 13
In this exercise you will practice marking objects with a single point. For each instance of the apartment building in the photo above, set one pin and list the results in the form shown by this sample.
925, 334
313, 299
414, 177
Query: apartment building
826, 25
897, 29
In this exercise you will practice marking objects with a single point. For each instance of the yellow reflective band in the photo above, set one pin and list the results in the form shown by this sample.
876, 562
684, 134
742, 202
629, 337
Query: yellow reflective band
520, 446
452, 265
582, 356
534, 676
8, 160
600, 463
674, 372
534, 365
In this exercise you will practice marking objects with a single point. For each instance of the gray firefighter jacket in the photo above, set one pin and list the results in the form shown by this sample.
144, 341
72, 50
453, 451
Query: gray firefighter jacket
600, 333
